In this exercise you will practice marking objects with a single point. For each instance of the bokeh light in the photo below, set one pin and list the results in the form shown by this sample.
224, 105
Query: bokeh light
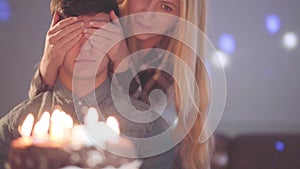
4, 11
273, 24
227, 43
290, 40
279, 145
220, 59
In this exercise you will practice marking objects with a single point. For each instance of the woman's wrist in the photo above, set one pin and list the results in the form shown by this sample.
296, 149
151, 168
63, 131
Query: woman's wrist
48, 72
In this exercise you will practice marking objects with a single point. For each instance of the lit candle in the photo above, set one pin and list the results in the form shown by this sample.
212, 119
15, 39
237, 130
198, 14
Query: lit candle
91, 119
57, 132
60, 127
26, 127
67, 125
113, 123
94, 132
57, 116
101, 132
79, 137
117, 144
68, 122
40, 131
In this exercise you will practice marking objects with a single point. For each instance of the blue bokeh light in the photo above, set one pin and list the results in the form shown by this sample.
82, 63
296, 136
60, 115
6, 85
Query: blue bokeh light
4, 11
227, 43
273, 24
279, 145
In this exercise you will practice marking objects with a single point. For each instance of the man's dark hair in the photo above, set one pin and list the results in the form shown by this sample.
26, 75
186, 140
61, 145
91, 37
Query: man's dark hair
68, 8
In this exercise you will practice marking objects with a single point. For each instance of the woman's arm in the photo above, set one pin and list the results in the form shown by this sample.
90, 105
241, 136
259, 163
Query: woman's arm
63, 34
60, 37
37, 84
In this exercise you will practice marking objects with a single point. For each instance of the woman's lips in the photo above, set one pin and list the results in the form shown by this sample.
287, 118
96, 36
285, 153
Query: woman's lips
142, 26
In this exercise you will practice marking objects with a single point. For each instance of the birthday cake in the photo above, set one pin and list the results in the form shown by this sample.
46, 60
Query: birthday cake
76, 149
50, 156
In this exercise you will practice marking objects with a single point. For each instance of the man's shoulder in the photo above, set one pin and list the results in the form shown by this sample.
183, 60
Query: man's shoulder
20, 111
33, 103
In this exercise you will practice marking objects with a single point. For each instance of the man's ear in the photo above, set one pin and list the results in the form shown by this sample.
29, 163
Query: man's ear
55, 19
120, 1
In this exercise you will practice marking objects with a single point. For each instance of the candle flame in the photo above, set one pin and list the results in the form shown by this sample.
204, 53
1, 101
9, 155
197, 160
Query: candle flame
56, 132
45, 117
56, 116
26, 128
112, 122
42, 126
60, 124
92, 116
68, 124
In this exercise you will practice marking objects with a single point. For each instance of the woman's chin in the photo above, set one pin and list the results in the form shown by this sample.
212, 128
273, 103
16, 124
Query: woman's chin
146, 36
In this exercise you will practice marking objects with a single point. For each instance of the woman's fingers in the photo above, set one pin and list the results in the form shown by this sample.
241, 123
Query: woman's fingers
55, 19
108, 31
102, 42
54, 51
69, 43
70, 38
97, 34
113, 15
66, 31
62, 24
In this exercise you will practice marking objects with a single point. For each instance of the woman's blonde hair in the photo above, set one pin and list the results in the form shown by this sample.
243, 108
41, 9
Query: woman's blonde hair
194, 155
191, 154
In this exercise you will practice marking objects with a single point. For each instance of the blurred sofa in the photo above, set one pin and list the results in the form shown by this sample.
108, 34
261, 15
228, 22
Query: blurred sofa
257, 152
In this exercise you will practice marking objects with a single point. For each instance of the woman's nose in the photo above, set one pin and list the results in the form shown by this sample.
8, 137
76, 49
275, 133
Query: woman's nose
149, 11
149, 7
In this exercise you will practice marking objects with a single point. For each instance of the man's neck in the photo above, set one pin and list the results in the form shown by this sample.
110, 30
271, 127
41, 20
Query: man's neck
82, 87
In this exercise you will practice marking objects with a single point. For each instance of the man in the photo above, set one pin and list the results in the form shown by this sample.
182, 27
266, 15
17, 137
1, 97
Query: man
83, 82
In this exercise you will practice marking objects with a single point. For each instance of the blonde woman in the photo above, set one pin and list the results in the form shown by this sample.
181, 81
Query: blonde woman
191, 154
